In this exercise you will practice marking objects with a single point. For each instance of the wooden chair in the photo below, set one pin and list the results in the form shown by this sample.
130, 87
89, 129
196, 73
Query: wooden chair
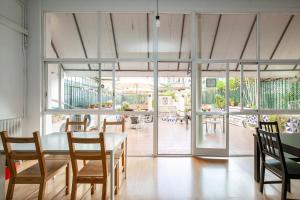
284, 168
94, 172
76, 124
38, 173
120, 153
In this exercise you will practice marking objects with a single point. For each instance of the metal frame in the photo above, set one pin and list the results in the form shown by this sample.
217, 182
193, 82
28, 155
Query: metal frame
194, 61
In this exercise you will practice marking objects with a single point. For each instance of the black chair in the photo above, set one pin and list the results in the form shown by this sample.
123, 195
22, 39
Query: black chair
273, 127
284, 168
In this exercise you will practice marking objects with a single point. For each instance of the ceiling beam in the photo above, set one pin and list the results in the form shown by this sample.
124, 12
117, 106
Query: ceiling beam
148, 53
56, 53
280, 38
215, 38
181, 39
114, 38
247, 41
80, 38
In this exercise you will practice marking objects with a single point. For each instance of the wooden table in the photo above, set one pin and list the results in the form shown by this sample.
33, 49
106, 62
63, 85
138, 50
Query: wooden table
57, 144
290, 145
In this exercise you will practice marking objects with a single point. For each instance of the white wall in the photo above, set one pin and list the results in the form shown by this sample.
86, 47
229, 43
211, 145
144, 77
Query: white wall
36, 7
33, 120
12, 60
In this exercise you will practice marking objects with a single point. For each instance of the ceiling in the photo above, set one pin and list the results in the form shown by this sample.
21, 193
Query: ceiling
130, 35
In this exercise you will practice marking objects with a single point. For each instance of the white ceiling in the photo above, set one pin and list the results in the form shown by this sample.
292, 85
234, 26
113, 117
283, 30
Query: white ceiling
132, 41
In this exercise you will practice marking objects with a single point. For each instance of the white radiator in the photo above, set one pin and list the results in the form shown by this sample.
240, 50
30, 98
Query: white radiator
12, 126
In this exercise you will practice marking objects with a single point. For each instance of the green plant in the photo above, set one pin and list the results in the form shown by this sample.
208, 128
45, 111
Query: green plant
220, 101
125, 106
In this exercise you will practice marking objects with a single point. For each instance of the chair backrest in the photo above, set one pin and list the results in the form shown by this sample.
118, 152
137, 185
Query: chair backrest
77, 124
76, 154
114, 123
13, 155
271, 127
270, 145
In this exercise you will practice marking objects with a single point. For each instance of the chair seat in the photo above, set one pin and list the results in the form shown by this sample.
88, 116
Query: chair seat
52, 166
93, 168
293, 167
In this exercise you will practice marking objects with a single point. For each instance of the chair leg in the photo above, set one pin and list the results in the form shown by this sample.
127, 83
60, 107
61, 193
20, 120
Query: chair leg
104, 190
123, 161
284, 189
10, 190
92, 189
67, 179
289, 185
42, 190
262, 178
116, 179
74, 190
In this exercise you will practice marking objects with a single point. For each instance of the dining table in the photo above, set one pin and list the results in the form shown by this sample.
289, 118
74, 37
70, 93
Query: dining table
57, 144
290, 145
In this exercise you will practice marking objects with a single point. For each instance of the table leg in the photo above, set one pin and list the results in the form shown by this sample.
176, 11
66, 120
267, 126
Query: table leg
256, 160
112, 175
2, 176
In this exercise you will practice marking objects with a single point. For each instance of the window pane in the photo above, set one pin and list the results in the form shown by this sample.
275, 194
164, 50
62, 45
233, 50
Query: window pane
211, 131
80, 86
213, 88
134, 87
53, 77
280, 90
287, 123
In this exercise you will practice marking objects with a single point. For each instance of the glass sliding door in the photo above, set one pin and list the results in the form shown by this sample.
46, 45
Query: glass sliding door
211, 111
174, 109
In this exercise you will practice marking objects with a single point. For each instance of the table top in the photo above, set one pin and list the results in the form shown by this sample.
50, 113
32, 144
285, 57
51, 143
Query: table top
291, 139
57, 143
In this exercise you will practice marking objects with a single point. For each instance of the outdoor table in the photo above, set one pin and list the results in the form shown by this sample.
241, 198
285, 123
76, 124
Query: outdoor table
290, 144
57, 144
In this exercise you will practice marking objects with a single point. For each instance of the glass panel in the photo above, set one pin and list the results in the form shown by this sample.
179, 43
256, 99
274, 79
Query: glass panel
280, 90
211, 131
174, 36
71, 35
126, 35
53, 77
249, 86
57, 122
279, 36
174, 109
227, 36
287, 123
134, 87
80, 86
213, 88
139, 129
241, 130
107, 91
